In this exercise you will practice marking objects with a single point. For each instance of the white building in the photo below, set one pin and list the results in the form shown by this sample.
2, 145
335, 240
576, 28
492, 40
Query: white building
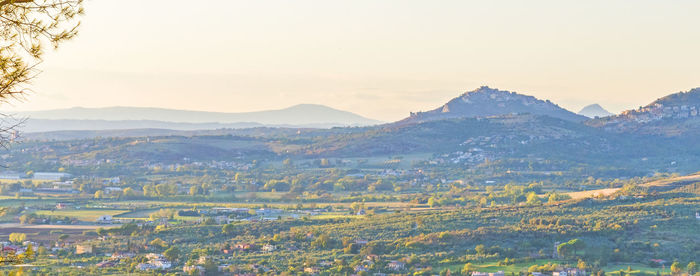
9, 175
160, 263
104, 219
396, 265
222, 219
268, 248
144, 267
153, 256
111, 190
50, 176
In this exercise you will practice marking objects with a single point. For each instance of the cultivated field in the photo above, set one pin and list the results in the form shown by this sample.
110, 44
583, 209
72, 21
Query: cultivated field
592, 193
45, 233
88, 215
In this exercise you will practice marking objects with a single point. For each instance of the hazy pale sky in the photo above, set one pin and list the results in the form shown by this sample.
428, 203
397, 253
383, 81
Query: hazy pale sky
380, 59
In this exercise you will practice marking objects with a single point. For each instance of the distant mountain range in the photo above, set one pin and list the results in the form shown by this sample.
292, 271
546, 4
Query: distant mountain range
594, 110
48, 125
110, 118
673, 115
486, 101
491, 124
479, 130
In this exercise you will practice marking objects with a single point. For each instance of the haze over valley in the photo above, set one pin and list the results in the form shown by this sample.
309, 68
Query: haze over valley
241, 138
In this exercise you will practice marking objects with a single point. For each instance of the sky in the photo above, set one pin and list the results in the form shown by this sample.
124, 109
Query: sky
380, 59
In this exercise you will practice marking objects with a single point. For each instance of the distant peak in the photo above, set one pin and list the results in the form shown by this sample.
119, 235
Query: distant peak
592, 107
487, 101
309, 106
301, 114
312, 108
594, 110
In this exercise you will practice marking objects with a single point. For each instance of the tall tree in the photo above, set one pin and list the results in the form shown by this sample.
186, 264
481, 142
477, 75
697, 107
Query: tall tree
692, 268
172, 253
17, 237
227, 229
27, 26
676, 268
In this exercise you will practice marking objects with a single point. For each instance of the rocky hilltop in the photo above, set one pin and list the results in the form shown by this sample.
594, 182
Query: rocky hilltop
671, 115
486, 102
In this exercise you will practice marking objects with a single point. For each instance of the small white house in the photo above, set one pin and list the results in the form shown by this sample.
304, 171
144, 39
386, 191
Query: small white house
396, 265
113, 190
160, 263
269, 248
104, 219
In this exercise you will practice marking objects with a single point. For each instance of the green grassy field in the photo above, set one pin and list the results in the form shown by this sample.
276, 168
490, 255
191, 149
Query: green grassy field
494, 267
334, 215
637, 269
10, 181
144, 214
89, 215
136, 214
156, 204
